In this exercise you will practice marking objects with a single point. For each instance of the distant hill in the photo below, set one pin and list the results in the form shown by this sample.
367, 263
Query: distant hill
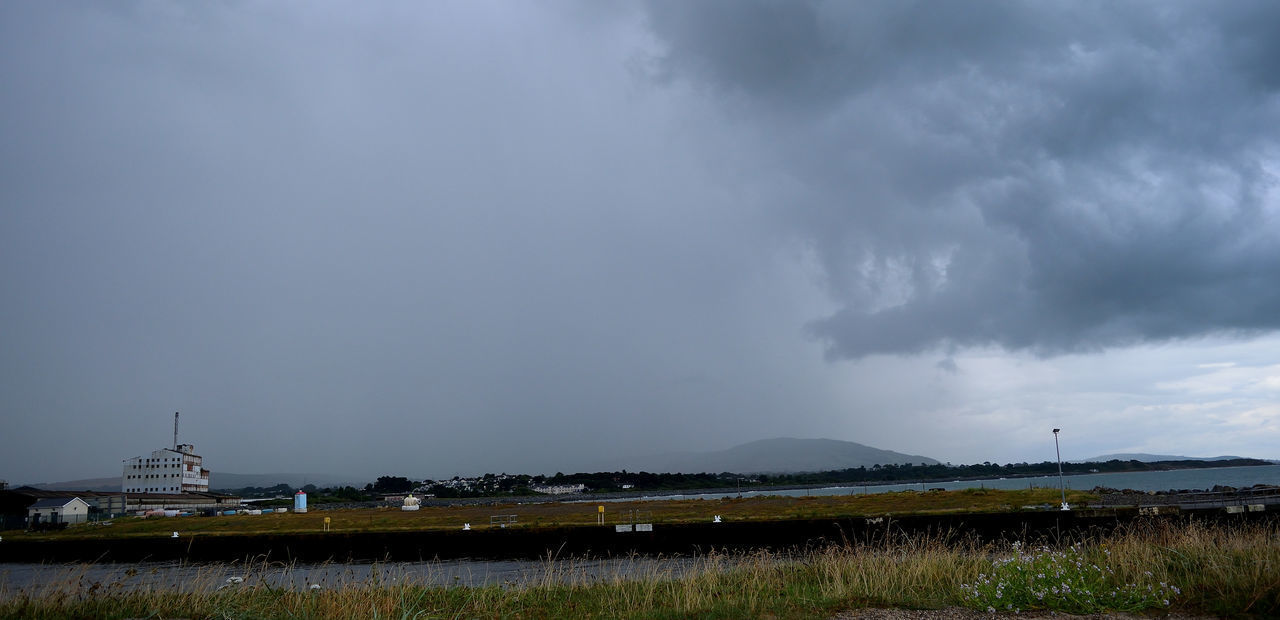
783, 455
89, 484
1151, 458
767, 456
219, 480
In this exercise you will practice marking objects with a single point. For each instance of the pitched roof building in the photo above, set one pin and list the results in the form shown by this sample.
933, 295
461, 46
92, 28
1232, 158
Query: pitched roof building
59, 510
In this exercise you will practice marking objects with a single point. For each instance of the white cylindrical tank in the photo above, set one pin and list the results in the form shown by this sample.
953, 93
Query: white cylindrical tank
300, 502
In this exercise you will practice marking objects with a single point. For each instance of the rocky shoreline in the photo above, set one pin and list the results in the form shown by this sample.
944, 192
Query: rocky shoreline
1259, 494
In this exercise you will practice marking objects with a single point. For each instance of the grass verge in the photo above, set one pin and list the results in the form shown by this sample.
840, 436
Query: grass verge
1223, 570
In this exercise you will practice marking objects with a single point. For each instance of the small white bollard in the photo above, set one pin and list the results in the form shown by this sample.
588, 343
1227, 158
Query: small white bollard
175, 535
716, 520
1066, 506
466, 527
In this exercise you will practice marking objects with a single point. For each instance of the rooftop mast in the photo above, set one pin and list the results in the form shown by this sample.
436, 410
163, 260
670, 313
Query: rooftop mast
175, 431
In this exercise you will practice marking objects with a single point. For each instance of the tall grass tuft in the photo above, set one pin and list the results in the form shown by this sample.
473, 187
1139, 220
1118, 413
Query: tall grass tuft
1221, 570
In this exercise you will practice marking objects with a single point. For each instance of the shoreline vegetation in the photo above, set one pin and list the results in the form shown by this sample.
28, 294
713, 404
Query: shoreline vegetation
623, 484
1151, 566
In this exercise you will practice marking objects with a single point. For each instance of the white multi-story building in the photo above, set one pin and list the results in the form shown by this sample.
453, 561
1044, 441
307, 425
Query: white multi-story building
169, 470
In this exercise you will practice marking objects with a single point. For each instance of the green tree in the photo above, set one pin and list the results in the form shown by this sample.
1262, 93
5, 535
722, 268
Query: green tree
392, 484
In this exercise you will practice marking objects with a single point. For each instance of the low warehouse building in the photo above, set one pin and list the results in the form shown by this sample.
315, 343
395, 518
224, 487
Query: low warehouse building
194, 502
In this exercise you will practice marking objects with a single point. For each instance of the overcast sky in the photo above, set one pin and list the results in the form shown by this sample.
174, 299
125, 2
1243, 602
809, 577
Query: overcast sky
438, 238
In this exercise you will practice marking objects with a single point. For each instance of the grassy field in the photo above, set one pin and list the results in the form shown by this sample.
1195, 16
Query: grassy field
1152, 567
562, 514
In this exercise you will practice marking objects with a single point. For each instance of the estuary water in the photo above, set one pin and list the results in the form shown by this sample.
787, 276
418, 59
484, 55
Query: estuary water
1138, 481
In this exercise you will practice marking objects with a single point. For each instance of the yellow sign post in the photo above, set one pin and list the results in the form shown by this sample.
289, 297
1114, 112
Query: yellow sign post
326, 524
600, 518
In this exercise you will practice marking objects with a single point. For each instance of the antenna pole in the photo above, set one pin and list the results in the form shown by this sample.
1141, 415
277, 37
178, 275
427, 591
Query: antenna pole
175, 431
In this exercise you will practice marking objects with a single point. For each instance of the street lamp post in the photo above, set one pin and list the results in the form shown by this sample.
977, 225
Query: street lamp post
1061, 483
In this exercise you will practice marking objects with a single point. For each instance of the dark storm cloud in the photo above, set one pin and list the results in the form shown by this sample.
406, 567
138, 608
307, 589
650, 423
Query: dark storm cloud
456, 237
1044, 177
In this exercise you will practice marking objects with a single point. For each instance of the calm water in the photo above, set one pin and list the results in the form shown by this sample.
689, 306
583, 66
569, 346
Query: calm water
1139, 481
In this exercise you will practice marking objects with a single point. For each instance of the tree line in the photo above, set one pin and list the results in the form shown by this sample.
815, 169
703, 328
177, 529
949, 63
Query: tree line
514, 485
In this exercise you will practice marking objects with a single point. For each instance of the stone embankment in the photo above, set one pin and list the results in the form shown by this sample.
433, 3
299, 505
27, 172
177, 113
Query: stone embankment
1189, 499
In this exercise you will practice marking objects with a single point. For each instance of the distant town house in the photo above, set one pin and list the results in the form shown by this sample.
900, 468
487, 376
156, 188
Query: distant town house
559, 489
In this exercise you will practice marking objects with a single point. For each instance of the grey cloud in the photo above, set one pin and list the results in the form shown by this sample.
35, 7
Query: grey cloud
1043, 177
420, 239
437, 238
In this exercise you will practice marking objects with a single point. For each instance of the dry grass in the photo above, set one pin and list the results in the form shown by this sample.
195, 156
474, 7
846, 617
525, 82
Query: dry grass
1221, 570
1225, 571
554, 514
